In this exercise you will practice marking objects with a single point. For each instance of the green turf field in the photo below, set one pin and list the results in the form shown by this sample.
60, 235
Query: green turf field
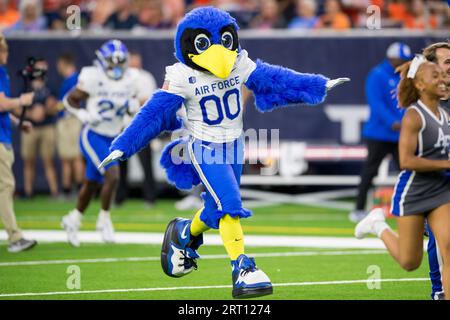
133, 271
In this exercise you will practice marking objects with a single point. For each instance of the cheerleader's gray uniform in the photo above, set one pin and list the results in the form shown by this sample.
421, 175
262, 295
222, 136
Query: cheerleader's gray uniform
421, 192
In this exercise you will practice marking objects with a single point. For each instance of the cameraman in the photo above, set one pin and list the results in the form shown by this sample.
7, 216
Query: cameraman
16, 241
43, 115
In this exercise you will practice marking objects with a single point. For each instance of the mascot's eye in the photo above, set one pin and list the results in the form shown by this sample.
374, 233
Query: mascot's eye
227, 40
201, 42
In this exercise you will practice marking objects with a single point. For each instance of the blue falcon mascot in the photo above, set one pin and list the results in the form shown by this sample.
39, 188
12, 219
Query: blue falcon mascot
208, 82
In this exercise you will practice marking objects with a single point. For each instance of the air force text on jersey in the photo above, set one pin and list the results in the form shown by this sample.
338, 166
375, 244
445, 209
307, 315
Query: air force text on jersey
215, 86
213, 105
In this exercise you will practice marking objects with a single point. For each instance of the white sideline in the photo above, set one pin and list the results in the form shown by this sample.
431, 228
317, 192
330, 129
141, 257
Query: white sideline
210, 239
203, 257
25, 294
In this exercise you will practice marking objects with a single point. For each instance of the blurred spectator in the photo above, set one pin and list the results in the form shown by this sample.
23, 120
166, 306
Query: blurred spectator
147, 84
174, 11
440, 10
42, 114
150, 15
56, 19
397, 10
287, 9
123, 17
379, 3
306, 15
269, 16
100, 10
68, 129
333, 18
446, 19
418, 17
50, 9
197, 3
55, 13
51, 5
31, 18
356, 10
242, 10
8, 14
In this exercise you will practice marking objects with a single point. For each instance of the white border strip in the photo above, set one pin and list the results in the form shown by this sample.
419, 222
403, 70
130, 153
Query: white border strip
424, 126
405, 192
202, 175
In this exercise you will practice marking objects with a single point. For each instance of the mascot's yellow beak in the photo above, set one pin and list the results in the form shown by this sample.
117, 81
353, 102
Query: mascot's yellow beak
216, 59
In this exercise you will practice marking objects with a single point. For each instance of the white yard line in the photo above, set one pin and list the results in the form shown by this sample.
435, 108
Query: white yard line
210, 239
371, 281
290, 284
203, 257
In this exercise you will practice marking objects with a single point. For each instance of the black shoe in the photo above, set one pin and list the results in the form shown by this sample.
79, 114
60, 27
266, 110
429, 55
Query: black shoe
21, 245
178, 252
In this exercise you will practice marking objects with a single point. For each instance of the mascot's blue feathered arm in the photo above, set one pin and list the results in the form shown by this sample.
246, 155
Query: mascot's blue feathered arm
157, 115
276, 86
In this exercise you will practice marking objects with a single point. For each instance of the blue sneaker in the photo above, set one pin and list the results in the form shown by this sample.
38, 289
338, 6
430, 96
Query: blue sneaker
178, 252
248, 280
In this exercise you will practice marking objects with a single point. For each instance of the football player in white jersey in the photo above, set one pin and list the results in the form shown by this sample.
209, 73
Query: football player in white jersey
109, 89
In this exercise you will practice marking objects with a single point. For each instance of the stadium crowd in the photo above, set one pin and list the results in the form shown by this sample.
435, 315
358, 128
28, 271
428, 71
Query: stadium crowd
142, 15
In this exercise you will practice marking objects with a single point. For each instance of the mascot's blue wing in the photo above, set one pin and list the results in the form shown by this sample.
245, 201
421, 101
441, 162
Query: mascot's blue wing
276, 86
157, 115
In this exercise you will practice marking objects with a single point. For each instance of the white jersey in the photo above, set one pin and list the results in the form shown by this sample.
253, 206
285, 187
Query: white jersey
108, 98
146, 86
214, 106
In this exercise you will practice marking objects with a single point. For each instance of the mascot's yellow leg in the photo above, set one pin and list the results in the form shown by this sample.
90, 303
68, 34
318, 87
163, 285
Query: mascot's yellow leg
232, 236
197, 225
